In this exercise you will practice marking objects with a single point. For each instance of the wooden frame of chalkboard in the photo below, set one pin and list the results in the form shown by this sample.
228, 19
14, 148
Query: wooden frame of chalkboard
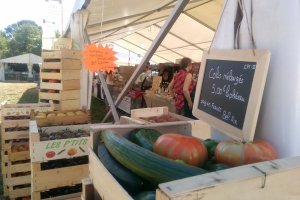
230, 89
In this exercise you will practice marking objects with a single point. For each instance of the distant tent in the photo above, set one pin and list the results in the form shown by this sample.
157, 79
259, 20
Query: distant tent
28, 59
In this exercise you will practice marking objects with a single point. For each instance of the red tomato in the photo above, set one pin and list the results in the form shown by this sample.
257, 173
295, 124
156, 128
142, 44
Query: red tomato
50, 154
179, 147
53, 81
51, 91
236, 153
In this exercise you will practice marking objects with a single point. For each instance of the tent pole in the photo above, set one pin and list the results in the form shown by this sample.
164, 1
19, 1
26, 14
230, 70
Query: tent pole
155, 44
109, 98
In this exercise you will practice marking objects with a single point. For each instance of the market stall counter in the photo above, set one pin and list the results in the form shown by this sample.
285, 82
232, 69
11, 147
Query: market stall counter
159, 100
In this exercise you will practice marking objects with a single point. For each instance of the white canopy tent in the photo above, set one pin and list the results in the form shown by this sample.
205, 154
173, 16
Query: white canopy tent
134, 24
28, 59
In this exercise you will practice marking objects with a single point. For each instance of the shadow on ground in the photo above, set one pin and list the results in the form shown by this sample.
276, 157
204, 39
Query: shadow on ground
30, 96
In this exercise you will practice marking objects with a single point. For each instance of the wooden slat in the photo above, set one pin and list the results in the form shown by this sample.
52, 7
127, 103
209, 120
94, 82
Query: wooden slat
75, 196
62, 75
15, 135
23, 167
68, 105
15, 123
20, 180
276, 180
104, 182
64, 63
17, 193
62, 95
18, 156
24, 109
54, 178
64, 53
63, 85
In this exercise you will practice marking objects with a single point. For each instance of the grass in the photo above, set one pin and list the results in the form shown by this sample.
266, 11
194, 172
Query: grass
18, 92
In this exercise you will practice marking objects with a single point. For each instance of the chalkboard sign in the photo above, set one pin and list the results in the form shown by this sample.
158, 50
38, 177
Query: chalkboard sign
229, 90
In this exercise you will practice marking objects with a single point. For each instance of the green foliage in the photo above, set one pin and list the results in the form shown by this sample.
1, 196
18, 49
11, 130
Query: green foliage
23, 37
3, 45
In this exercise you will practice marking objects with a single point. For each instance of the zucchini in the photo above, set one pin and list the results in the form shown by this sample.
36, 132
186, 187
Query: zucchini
130, 181
210, 146
146, 164
144, 137
146, 195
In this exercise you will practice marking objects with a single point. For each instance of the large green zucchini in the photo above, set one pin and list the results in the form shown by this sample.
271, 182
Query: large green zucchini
146, 164
130, 181
144, 137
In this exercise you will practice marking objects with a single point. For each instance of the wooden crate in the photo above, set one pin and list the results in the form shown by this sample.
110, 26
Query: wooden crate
16, 179
56, 150
15, 120
145, 114
102, 180
43, 180
24, 109
62, 148
56, 118
276, 180
200, 129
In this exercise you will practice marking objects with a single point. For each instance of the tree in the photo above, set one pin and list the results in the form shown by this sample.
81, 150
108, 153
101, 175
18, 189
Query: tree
3, 45
24, 37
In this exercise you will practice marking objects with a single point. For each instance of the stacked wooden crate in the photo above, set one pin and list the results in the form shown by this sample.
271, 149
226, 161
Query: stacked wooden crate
15, 148
60, 78
59, 160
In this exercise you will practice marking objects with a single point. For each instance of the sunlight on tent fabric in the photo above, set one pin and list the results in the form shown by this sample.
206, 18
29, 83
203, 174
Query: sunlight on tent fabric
118, 22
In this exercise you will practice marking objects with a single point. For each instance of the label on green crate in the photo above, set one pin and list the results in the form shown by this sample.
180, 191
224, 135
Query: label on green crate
58, 149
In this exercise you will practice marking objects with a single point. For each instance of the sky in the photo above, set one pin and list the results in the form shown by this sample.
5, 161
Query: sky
13, 11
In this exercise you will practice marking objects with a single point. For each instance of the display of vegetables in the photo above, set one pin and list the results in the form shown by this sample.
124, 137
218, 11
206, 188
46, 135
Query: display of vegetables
235, 153
159, 158
146, 164
43, 115
62, 134
189, 149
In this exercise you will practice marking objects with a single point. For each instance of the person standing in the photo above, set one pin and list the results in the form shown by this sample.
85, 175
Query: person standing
182, 88
144, 80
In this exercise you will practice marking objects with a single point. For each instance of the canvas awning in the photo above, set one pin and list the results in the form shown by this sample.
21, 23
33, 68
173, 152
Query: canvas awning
134, 24
28, 58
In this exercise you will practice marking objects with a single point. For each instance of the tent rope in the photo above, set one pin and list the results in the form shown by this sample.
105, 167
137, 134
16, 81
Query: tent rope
221, 17
101, 23
249, 26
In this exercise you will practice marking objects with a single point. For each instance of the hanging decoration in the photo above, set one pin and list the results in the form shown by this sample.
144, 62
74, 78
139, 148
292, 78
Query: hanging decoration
99, 58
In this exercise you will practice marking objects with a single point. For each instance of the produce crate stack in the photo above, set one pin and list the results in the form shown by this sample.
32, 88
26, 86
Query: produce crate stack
59, 160
60, 79
15, 148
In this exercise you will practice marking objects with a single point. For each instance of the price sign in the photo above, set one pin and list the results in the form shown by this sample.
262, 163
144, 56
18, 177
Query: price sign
229, 90
98, 57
